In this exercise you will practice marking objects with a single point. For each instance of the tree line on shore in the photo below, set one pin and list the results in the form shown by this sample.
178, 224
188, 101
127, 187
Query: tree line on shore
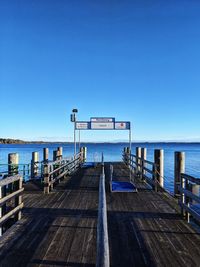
11, 141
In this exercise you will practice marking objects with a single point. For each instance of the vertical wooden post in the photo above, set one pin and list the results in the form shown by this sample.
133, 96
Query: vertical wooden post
46, 178
84, 153
187, 199
18, 199
45, 154
138, 161
60, 152
182, 195
56, 155
1, 210
179, 167
125, 155
159, 161
13, 168
128, 155
13, 161
34, 165
144, 157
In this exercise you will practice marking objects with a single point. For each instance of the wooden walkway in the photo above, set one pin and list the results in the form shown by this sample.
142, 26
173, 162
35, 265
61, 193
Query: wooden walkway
59, 229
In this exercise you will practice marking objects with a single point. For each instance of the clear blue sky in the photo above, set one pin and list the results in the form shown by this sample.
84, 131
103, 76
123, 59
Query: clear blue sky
134, 60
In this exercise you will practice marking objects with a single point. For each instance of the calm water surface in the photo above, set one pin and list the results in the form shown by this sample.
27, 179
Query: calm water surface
113, 152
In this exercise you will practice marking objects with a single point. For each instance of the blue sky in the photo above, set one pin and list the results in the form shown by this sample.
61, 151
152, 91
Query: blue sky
133, 60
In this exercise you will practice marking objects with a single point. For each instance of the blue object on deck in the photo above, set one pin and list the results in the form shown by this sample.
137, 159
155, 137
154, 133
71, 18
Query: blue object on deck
122, 187
88, 165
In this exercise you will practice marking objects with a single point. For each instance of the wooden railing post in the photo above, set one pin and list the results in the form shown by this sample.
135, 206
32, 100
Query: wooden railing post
84, 153
144, 157
159, 162
179, 167
138, 161
181, 196
83, 156
13, 168
125, 156
13, 161
34, 165
2, 209
55, 158
128, 154
56, 155
187, 199
45, 154
12, 197
18, 199
46, 178
60, 152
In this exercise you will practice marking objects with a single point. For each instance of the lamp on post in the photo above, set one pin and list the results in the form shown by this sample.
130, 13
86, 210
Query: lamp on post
73, 119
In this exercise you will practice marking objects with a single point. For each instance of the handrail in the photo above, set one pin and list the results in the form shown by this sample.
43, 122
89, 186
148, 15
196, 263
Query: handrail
10, 188
54, 171
143, 160
139, 165
22, 168
188, 199
103, 257
190, 178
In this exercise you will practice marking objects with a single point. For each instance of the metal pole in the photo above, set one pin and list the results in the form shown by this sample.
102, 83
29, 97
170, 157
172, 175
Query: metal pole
75, 137
79, 140
130, 177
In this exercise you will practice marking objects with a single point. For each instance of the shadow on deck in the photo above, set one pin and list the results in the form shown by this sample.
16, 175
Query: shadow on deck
59, 229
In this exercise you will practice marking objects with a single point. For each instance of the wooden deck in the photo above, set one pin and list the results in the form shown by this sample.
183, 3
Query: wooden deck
59, 229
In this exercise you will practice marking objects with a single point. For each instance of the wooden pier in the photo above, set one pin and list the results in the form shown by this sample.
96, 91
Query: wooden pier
60, 228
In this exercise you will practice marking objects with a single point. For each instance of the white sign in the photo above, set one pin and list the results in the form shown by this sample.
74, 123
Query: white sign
120, 125
82, 126
98, 119
102, 125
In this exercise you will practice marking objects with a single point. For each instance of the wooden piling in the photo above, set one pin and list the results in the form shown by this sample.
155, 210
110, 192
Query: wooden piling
159, 161
138, 161
179, 167
45, 154
60, 152
46, 178
84, 153
18, 199
144, 157
34, 165
56, 155
125, 155
13, 169
13, 161
1, 210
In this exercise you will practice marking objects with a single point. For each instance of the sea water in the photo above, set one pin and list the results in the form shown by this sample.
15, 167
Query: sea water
113, 152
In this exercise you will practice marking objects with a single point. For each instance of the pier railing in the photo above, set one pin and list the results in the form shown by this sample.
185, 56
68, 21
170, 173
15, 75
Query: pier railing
12, 169
10, 200
103, 258
189, 196
144, 169
55, 171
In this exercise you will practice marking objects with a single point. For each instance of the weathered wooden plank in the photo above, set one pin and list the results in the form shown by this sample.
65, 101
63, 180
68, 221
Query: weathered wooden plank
59, 229
11, 213
14, 194
155, 225
9, 180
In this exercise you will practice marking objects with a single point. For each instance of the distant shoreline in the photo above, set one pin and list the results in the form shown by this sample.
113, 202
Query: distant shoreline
9, 141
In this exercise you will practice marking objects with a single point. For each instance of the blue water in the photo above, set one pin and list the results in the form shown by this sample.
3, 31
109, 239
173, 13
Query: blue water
113, 152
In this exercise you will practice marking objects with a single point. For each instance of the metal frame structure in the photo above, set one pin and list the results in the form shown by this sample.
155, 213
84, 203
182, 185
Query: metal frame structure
99, 123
